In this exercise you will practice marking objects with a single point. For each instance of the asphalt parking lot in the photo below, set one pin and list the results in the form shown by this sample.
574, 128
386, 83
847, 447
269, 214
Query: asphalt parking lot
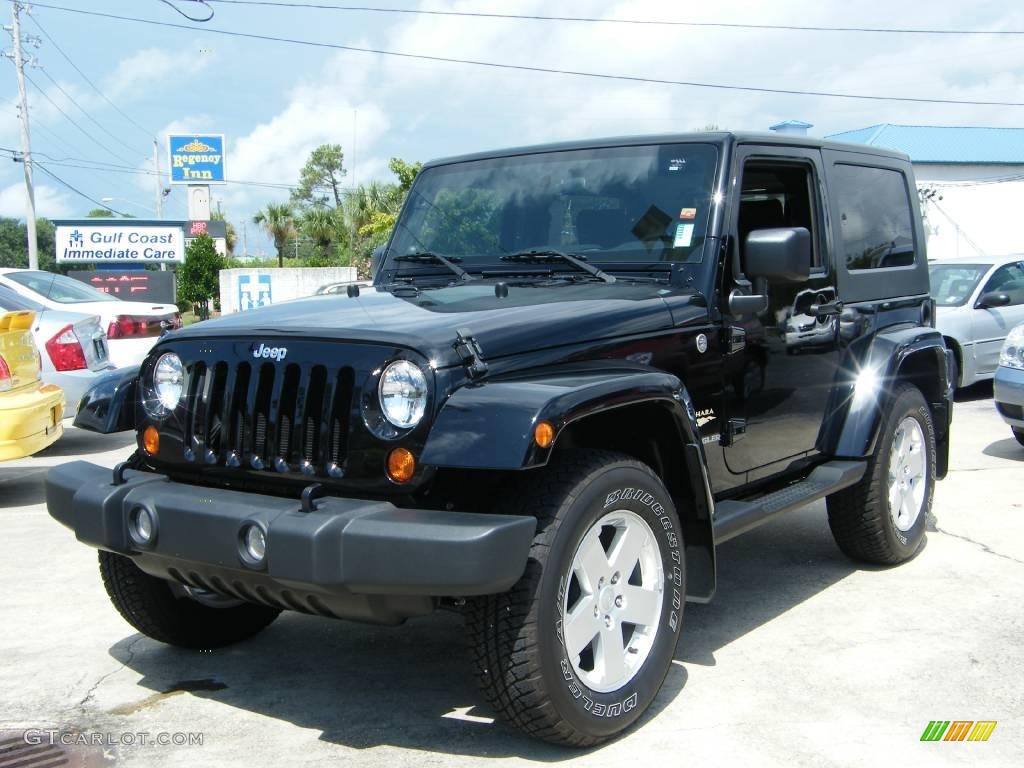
804, 658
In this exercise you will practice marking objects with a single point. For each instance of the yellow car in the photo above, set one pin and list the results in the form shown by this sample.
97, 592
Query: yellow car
30, 412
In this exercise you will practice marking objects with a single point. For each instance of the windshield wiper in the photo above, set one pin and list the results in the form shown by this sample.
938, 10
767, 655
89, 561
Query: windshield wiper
430, 257
550, 254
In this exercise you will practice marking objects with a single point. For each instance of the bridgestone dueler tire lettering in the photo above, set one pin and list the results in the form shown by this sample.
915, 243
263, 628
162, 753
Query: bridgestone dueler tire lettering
859, 515
149, 605
519, 658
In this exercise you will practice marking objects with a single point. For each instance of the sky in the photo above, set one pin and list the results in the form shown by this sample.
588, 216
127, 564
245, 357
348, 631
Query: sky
276, 101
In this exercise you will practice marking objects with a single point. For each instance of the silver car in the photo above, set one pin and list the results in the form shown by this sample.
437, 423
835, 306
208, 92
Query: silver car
978, 301
1009, 383
72, 346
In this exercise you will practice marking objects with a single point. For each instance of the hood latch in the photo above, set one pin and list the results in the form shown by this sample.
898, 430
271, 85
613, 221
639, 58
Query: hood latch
469, 352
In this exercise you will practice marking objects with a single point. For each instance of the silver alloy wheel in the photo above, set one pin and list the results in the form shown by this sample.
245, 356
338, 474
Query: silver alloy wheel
908, 474
611, 609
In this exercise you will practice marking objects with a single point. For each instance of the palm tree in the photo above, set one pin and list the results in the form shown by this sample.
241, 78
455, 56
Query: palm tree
321, 226
278, 221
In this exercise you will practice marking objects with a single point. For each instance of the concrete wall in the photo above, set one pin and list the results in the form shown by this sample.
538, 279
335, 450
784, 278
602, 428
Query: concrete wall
979, 212
242, 289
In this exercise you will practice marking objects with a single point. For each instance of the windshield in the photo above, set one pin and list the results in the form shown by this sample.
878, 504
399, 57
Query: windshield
953, 284
59, 288
608, 205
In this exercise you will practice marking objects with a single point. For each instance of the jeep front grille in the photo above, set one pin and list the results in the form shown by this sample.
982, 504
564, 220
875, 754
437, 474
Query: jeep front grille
284, 418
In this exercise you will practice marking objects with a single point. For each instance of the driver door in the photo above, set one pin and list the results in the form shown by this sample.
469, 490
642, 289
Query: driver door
777, 386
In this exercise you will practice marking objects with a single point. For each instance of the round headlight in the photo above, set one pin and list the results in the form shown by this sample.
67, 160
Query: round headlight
168, 378
403, 394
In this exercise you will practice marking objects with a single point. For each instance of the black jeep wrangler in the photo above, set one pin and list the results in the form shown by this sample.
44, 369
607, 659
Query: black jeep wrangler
566, 386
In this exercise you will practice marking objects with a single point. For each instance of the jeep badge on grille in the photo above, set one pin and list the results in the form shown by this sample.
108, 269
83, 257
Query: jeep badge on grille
274, 353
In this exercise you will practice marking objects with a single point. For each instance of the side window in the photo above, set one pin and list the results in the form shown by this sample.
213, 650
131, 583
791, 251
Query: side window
778, 195
1008, 279
876, 228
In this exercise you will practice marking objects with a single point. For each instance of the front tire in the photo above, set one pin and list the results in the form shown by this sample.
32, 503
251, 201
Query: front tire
152, 607
881, 519
576, 651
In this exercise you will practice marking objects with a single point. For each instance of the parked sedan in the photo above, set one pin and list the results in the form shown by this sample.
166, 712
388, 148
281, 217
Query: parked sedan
977, 302
30, 411
1009, 384
72, 346
132, 327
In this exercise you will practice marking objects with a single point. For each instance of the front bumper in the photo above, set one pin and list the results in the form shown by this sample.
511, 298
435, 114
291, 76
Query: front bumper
1009, 395
365, 560
30, 420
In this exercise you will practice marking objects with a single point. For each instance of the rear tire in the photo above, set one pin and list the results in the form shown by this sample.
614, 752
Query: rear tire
1019, 434
881, 519
605, 576
149, 605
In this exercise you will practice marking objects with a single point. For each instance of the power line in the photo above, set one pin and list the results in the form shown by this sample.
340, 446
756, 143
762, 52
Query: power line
596, 20
169, 4
93, 85
546, 70
72, 121
77, 191
86, 113
103, 166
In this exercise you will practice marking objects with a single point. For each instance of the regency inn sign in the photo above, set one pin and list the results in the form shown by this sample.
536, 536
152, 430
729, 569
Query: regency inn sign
124, 241
196, 159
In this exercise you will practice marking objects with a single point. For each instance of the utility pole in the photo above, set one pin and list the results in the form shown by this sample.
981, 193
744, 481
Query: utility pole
245, 241
26, 146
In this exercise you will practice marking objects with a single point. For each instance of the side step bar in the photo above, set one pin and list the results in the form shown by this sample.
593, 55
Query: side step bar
735, 517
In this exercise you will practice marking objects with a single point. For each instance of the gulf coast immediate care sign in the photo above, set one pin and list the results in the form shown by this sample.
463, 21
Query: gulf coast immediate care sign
196, 159
125, 242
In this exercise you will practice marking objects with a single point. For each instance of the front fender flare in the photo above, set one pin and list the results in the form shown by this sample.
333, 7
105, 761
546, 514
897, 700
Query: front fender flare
490, 425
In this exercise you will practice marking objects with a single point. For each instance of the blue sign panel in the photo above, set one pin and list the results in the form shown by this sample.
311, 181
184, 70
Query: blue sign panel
251, 296
196, 159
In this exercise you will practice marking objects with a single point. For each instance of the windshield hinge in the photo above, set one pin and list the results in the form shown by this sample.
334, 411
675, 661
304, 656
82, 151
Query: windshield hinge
469, 352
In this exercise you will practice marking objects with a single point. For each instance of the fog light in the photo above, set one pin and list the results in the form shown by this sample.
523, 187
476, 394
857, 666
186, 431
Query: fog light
255, 543
151, 440
142, 526
401, 465
543, 434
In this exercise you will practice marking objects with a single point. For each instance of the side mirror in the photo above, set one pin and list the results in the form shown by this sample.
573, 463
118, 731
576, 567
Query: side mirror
780, 255
375, 259
992, 299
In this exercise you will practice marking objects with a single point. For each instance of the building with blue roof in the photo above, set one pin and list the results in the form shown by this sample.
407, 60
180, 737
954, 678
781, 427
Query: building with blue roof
974, 177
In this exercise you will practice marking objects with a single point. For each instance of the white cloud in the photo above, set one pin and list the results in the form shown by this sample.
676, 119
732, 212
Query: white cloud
153, 64
50, 203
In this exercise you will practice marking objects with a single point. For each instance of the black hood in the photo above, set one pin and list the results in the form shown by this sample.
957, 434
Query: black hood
530, 317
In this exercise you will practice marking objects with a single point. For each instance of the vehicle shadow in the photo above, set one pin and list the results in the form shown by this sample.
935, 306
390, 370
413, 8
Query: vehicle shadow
363, 686
1005, 449
22, 480
21, 486
981, 390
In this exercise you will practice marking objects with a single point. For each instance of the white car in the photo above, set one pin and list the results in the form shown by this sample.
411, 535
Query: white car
132, 327
977, 302
72, 347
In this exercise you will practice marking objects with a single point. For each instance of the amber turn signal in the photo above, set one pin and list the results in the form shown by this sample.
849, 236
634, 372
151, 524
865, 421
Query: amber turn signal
543, 434
401, 465
151, 440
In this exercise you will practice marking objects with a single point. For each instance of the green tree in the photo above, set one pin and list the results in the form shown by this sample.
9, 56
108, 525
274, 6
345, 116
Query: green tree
14, 245
321, 178
321, 226
406, 172
199, 276
100, 213
278, 221
231, 235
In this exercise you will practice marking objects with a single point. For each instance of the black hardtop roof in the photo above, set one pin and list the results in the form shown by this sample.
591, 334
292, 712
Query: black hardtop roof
710, 137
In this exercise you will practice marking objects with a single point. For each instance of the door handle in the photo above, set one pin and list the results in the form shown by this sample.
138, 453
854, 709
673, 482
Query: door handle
828, 308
